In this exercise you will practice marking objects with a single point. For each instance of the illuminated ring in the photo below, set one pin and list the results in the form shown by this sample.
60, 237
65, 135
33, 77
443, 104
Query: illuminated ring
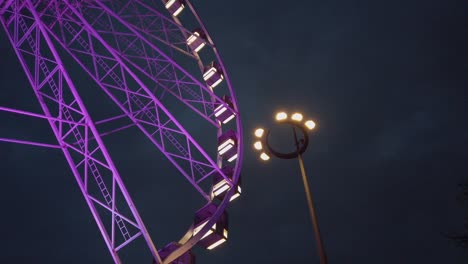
213, 73
294, 154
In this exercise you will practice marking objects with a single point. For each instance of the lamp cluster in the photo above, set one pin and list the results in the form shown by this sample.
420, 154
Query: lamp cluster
295, 117
258, 145
280, 117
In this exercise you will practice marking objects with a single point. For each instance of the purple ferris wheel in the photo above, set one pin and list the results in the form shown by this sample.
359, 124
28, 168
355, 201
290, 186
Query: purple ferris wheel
151, 59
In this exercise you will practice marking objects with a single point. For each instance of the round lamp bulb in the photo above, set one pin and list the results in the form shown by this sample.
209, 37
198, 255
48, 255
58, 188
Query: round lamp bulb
297, 117
310, 124
264, 156
258, 145
259, 132
281, 116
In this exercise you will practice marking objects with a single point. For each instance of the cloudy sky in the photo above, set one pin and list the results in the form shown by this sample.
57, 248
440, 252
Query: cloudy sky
384, 81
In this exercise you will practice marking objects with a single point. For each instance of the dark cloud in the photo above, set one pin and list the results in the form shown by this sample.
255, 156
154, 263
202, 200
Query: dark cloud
385, 82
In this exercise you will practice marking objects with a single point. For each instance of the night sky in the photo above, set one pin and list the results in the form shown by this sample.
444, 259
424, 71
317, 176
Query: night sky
384, 81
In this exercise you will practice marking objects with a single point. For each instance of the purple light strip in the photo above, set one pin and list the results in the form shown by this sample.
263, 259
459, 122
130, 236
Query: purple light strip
24, 142
30, 114
110, 119
128, 242
116, 130
5, 4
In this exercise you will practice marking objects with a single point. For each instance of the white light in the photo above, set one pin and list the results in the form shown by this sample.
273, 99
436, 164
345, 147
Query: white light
217, 243
259, 132
217, 82
296, 117
221, 190
281, 116
225, 143
196, 230
225, 149
310, 124
232, 158
200, 47
192, 38
170, 3
179, 10
209, 232
237, 194
225, 233
264, 156
219, 110
258, 145
219, 184
234, 196
207, 75
229, 118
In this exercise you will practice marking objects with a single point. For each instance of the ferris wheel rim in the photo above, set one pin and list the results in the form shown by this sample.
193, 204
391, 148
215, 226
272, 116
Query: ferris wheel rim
237, 165
222, 207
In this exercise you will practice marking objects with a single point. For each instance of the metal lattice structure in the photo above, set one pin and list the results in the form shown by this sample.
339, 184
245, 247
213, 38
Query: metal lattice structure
136, 51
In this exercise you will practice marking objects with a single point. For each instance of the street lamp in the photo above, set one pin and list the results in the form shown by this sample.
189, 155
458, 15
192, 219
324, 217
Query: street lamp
261, 144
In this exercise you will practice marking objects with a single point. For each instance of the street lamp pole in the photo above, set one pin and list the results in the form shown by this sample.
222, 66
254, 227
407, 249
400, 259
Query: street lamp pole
266, 150
310, 203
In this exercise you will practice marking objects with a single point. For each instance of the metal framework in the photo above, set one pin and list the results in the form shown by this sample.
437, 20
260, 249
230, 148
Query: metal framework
129, 48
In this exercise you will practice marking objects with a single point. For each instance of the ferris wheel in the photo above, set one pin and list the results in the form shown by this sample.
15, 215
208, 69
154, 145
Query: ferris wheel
153, 60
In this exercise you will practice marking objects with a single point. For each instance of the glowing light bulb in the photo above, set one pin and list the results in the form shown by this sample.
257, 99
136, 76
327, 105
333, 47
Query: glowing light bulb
297, 117
259, 132
281, 116
264, 156
258, 145
310, 124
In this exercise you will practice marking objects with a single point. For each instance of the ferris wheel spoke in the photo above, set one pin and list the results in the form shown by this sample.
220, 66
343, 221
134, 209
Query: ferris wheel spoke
31, 143
60, 101
35, 115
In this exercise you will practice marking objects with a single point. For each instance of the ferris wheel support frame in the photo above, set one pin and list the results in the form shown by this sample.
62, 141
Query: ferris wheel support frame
141, 106
33, 35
